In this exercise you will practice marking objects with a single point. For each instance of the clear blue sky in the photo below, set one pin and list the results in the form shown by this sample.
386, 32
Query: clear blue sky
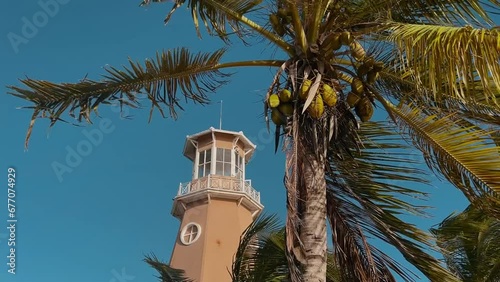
114, 206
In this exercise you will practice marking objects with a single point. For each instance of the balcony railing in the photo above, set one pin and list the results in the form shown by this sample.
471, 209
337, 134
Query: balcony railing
220, 183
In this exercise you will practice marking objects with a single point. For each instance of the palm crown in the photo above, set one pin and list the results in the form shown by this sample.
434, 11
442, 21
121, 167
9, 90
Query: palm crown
431, 65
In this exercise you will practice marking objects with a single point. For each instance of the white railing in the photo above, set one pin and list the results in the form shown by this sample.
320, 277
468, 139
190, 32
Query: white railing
221, 183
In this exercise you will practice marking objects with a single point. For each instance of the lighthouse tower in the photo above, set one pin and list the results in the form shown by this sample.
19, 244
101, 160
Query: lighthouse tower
216, 206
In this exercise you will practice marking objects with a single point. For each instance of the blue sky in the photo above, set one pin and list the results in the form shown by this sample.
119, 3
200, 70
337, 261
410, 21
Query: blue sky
96, 222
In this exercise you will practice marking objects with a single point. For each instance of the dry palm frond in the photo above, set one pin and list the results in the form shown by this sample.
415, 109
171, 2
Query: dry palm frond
295, 248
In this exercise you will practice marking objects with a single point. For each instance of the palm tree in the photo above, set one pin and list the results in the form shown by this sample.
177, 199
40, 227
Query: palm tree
471, 245
432, 66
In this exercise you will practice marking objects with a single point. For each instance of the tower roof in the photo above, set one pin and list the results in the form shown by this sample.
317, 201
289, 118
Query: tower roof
190, 145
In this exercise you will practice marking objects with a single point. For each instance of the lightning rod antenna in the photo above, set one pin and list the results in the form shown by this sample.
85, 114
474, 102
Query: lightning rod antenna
220, 116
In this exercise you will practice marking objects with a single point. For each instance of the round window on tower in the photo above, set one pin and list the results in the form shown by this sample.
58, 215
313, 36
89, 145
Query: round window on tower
190, 233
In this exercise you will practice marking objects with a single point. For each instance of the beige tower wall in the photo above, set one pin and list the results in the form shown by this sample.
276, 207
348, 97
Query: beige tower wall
209, 259
190, 257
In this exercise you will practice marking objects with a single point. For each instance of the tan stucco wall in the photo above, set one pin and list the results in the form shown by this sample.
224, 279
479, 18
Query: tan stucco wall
190, 257
209, 258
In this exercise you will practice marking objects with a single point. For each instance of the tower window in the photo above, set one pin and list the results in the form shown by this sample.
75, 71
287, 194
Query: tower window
238, 165
190, 233
204, 163
223, 163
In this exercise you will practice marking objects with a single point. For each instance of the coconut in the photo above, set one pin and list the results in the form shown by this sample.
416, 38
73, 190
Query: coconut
316, 108
285, 95
357, 86
363, 69
273, 101
332, 42
286, 109
277, 117
304, 90
357, 51
378, 66
352, 99
329, 95
364, 109
346, 38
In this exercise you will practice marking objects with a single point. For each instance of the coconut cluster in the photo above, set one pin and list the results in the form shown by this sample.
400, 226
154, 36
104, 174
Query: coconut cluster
364, 74
367, 71
281, 103
359, 98
281, 106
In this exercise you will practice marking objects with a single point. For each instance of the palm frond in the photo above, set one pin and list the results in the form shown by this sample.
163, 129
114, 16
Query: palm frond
212, 12
470, 244
253, 242
263, 257
467, 157
268, 262
448, 60
364, 199
166, 273
218, 15
194, 75
475, 111
428, 11
395, 85
351, 250
311, 14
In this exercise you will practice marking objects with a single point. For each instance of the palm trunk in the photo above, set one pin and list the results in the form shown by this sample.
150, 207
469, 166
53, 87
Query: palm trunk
305, 181
313, 218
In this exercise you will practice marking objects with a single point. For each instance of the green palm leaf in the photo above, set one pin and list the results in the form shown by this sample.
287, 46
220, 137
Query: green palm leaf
440, 56
364, 199
395, 85
194, 75
268, 261
218, 15
254, 240
467, 157
161, 80
166, 273
430, 11
261, 254
470, 244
